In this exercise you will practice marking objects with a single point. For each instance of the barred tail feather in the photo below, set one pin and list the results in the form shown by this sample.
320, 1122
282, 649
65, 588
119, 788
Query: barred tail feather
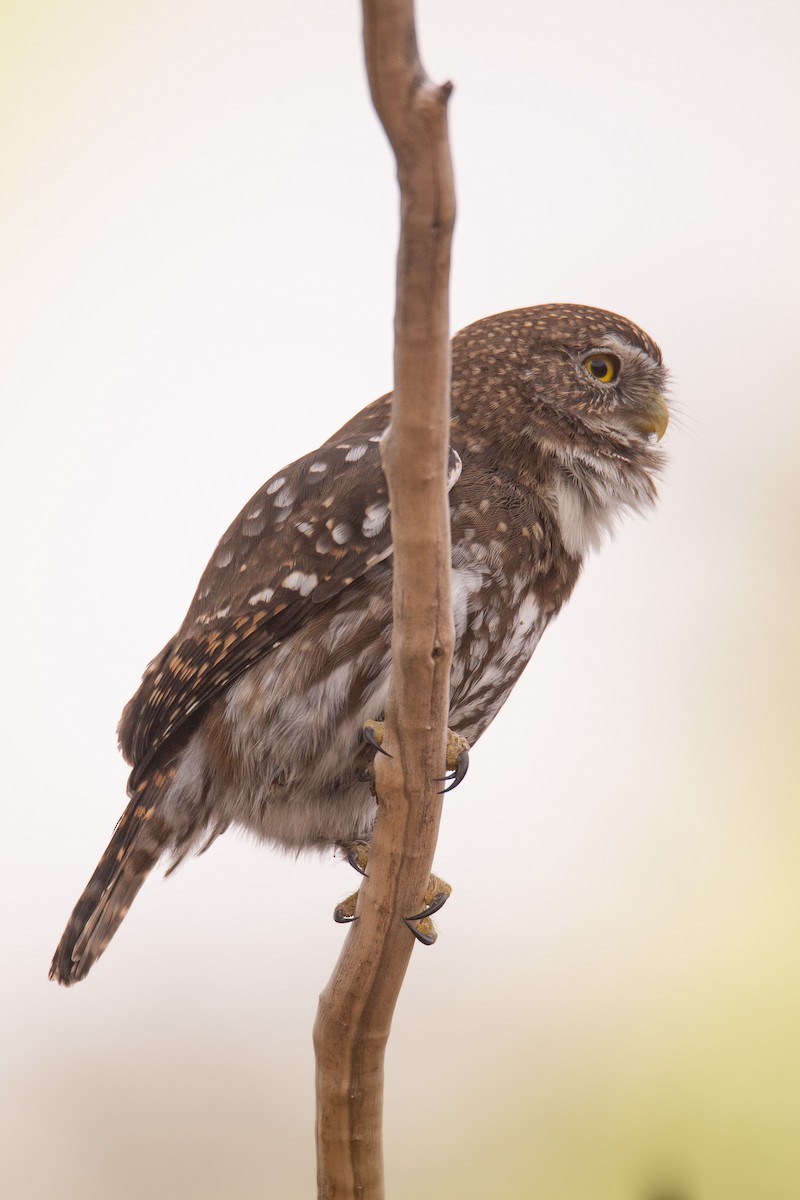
139, 840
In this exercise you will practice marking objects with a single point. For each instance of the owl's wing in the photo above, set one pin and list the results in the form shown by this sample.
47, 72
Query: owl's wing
308, 533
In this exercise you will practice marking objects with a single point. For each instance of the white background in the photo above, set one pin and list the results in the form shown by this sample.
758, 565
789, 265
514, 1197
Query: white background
198, 221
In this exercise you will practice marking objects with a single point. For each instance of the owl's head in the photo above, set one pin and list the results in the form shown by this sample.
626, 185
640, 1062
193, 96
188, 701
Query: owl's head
574, 397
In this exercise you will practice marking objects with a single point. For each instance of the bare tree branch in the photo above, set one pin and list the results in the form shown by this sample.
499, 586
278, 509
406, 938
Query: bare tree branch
356, 1008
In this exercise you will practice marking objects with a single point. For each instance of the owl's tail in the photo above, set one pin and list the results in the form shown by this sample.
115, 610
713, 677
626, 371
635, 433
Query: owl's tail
139, 840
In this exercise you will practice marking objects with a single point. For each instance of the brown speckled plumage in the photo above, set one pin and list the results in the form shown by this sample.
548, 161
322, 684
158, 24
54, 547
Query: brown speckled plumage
252, 714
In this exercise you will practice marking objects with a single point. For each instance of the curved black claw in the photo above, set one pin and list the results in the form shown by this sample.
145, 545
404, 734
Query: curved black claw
357, 855
425, 932
437, 892
457, 776
369, 735
345, 911
420, 924
438, 902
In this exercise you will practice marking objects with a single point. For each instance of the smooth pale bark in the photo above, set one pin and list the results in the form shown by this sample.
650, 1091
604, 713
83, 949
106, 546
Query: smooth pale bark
356, 1008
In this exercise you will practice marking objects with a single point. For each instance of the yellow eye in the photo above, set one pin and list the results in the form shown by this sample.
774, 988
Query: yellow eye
602, 367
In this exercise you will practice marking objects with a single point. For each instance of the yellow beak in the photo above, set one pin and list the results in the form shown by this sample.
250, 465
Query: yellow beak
652, 417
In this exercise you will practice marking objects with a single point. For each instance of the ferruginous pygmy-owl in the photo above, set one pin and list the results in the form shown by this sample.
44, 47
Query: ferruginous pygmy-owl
253, 714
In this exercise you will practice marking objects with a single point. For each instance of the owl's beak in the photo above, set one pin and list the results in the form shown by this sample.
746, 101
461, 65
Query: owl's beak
652, 417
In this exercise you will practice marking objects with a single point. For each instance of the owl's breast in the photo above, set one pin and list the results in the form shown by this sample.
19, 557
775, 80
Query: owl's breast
499, 622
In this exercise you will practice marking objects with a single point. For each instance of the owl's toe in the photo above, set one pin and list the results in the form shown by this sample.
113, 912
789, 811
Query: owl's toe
424, 931
357, 854
345, 910
456, 761
456, 756
372, 732
436, 896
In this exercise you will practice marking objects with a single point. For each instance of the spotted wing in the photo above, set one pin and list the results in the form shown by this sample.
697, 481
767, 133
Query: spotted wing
307, 534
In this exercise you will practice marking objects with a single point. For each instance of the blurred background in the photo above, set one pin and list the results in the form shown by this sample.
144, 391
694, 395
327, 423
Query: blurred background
198, 223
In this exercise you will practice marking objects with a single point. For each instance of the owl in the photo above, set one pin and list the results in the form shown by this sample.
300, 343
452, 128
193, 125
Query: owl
253, 714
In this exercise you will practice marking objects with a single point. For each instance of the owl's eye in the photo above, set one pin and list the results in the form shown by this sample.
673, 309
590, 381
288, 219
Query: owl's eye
602, 367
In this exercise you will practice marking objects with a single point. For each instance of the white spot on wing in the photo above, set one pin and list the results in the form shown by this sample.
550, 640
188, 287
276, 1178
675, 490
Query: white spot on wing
355, 454
205, 618
375, 519
276, 484
284, 498
262, 597
298, 581
252, 528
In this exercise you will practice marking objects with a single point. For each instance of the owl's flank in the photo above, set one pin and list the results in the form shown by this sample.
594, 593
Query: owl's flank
252, 715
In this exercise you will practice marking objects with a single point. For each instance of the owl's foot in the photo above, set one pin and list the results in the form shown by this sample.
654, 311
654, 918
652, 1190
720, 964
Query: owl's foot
436, 895
345, 910
421, 925
373, 733
357, 854
456, 760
